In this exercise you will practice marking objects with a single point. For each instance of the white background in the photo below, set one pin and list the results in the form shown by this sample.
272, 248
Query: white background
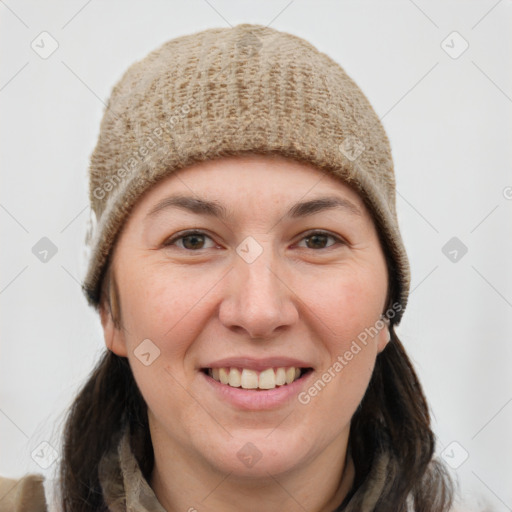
450, 127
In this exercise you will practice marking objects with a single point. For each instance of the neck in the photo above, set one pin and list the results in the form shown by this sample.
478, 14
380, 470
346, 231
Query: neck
182, 484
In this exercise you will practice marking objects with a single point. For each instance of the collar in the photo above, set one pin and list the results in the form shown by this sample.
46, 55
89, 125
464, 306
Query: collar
124, 487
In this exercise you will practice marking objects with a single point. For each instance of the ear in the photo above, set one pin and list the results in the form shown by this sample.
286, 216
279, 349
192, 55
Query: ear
114, 336
383, 337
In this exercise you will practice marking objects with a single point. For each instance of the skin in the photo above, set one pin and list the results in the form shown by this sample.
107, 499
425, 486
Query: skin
197, 300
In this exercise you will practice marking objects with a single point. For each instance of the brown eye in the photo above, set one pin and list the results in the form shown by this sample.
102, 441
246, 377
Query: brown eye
318, 240
191, 241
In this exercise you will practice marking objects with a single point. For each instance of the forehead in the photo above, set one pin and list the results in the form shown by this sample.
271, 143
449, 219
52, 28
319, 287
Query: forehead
250, 182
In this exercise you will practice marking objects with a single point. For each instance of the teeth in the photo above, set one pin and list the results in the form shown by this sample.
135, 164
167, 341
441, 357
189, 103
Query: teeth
234, 378
223, 376
251, 379
267, 379
280, 376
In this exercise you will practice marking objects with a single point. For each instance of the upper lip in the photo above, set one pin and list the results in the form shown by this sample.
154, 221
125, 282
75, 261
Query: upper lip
257, 364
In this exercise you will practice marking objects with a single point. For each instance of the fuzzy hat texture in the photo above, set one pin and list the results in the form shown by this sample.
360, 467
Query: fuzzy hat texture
229, 91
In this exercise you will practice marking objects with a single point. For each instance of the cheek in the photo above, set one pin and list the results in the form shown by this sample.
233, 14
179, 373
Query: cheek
349, 304
166, 307
345, 308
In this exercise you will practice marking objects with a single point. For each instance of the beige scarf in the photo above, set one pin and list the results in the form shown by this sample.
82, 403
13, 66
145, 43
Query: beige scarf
125, 488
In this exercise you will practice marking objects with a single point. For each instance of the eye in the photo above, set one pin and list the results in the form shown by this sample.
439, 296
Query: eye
318, 239
194, 240
191, 240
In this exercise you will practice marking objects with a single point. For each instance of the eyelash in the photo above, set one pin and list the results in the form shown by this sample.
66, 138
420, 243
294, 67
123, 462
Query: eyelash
309, 234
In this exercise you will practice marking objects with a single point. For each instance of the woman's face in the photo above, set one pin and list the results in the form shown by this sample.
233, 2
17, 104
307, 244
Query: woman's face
271, 280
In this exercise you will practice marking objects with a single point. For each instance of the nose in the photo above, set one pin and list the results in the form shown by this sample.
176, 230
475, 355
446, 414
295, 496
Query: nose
258, 301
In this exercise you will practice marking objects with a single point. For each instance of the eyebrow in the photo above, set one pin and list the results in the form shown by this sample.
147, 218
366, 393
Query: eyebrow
215, 209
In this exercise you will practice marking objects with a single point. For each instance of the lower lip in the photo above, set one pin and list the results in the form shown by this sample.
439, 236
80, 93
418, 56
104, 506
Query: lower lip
255, 400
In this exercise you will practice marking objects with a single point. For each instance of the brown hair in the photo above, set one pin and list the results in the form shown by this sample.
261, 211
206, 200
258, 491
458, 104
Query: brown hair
393, 416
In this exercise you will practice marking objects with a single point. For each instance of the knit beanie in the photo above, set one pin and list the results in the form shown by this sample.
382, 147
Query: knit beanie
230, 91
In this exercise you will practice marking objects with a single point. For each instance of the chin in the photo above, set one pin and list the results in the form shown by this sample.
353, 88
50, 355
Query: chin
256, 455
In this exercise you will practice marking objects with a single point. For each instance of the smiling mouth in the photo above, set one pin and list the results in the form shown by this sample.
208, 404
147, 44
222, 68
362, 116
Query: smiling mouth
246, 378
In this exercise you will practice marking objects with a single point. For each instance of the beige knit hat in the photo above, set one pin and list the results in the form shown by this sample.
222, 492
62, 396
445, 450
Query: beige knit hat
226, 91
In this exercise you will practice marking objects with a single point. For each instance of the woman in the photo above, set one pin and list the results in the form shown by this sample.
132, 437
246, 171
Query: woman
248, 270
